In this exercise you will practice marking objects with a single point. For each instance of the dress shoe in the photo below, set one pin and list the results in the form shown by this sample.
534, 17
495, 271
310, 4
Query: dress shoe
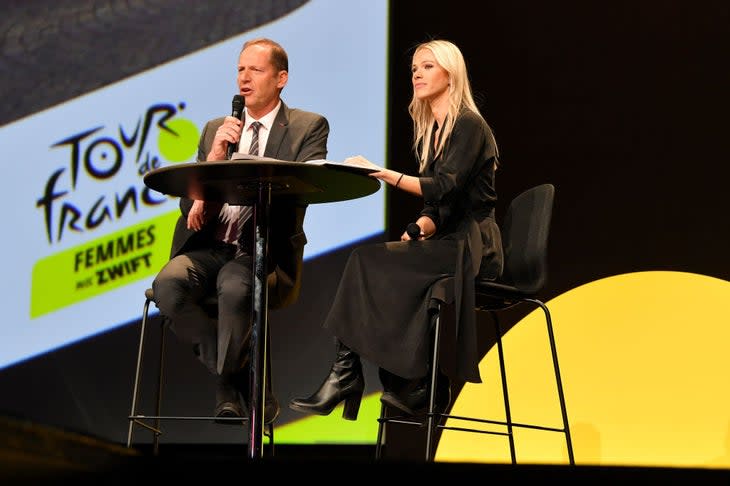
271, 404
415, 400
228, 410
228, 403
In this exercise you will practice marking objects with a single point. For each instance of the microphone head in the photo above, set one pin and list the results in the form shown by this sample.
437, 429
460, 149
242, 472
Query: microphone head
413, 230
238, 103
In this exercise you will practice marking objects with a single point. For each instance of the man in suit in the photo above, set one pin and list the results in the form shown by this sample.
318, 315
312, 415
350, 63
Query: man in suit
211, 250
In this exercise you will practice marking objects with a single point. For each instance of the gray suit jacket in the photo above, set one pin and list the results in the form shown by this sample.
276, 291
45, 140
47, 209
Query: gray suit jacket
296, 135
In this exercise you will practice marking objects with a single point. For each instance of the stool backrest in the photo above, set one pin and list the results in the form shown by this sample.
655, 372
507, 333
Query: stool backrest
525, 231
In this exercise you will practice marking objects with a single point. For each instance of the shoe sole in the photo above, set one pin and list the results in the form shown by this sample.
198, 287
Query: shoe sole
391, 401
229, 419
299, 409
226, 418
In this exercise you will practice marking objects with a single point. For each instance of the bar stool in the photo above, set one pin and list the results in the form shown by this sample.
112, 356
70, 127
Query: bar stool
525, 233
153, 423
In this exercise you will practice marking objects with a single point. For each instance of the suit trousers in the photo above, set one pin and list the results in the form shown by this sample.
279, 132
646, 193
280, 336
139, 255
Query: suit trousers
222, 341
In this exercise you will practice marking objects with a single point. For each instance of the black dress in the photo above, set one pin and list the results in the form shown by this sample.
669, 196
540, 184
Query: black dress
381, 308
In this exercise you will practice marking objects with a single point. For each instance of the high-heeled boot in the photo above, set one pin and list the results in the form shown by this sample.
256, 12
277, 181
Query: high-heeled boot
411, 396
345, 382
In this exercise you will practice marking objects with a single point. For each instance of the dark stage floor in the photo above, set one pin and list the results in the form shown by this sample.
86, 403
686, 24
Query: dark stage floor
36, 453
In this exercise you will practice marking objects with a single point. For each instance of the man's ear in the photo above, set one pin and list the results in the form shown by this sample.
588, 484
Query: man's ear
283, 78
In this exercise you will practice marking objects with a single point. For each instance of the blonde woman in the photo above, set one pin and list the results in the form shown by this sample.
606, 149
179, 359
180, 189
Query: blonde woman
381, 309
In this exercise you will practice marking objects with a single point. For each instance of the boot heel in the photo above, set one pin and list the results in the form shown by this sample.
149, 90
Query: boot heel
344, 382
352, 407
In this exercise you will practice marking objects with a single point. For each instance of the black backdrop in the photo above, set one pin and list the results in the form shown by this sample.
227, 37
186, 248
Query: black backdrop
622, 105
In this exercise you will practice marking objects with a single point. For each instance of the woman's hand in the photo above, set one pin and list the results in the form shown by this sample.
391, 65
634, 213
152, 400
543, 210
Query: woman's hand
385, 175
396, 179
427, 226
360, 161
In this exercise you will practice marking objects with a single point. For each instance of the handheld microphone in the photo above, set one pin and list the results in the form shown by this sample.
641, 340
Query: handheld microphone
237, 111
414, 231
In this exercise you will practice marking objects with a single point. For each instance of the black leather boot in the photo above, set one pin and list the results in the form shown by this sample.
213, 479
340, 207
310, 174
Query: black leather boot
344, 382
411, 396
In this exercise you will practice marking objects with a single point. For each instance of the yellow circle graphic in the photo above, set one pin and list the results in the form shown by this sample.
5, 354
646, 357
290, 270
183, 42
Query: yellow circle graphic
646, 371
180, 144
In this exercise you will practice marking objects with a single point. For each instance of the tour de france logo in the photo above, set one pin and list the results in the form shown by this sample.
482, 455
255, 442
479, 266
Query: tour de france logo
97, 164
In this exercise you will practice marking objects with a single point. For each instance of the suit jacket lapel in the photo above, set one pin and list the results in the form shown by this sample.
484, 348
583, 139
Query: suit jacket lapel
278, 131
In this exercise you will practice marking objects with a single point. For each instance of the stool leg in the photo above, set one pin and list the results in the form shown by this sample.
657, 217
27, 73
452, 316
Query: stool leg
381, 432
431, 420
158, 413
140, 352
558, 381
505, 393
269, 429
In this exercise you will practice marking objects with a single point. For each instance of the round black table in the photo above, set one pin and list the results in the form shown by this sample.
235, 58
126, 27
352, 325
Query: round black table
256, 183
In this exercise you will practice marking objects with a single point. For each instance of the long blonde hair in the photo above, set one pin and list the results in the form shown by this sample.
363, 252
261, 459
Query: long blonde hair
449, 57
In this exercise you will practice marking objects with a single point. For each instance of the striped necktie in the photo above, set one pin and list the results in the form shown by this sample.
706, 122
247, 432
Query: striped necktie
254, 148
245, 213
